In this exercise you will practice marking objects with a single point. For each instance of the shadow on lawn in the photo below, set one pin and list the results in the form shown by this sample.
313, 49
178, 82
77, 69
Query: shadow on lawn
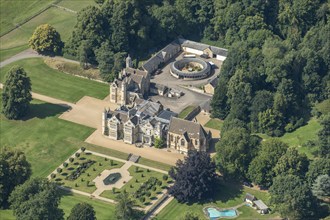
44, 110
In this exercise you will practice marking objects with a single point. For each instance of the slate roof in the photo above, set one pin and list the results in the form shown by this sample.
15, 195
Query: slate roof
138, 72
148, 108
260, 204
250, 197
193, 129
201, 46
166, 115
214, 82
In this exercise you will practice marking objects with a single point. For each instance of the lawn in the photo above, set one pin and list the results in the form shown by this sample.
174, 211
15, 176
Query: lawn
63, 22
7, 53
13, 12
228, 195
186, 111
46, 140
90, 174
76, 5
214, 123
300, 136
139, 176
53, 83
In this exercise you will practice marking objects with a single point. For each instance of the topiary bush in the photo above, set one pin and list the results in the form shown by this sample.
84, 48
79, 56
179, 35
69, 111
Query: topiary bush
83, 149
53, 175
65, 164
165, 177
59, 170
77, 154
71, 159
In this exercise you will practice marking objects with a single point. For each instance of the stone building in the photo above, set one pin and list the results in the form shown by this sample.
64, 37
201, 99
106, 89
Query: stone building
142, 123
184, 135
210, 87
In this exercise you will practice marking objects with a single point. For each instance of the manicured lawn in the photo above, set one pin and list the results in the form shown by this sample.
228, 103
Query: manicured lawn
13, 12
7, 53
63, 22
139, 177
53, 83
227, 196
89, 175
76, 5
186, 111
300, 136
214, 123
155, 164
7, 214
46, 140
103, 210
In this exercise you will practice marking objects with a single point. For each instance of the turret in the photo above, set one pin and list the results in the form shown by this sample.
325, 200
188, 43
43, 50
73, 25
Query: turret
129, 62
104, 122
123, 92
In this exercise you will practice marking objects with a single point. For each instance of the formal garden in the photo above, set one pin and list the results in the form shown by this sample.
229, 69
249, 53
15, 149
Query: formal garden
103, 176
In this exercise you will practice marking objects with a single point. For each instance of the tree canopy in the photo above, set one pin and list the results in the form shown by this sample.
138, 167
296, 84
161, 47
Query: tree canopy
195, 177
124, 208
14, 170
46, 40
36, 199
16, 94
82, 211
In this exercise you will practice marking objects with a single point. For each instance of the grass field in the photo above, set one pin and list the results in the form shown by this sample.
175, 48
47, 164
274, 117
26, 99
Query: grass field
13, 12
103, 210
228, 195
300, 136
214, 123
76, 5
186, 111
63, 22
7, 53
50, 82
46, 140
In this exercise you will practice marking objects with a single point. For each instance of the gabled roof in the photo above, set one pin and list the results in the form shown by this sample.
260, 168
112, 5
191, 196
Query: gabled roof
193, 129
214, 82
260, 205
250, 197
201, 47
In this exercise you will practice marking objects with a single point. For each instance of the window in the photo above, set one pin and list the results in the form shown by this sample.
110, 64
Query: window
182, 142
171, 137
196, 142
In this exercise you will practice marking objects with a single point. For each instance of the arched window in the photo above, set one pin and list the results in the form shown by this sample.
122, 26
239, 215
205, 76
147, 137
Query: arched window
182, 142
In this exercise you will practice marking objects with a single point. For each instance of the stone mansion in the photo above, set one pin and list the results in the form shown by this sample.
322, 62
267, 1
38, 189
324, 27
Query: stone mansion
139, 120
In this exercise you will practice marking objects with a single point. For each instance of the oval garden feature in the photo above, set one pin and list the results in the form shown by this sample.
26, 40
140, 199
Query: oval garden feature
112, 178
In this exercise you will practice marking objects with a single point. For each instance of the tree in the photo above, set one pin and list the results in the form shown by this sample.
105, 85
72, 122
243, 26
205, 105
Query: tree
324, 136
82, 211
321, 187
159, 142
261, 168
319, 166
124, 208
46, 40
292, 162
219, 103
292, 198
36, 199
271, 122
16, 94
234, 153
14, 170
195, 177
190, 216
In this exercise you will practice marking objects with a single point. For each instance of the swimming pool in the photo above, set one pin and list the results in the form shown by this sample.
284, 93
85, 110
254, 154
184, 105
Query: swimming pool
214, 213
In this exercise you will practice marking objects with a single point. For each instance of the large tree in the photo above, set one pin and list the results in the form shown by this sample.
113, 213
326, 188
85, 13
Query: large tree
16, 94
195, 177
292, 198
46, 40
292, 162
321, 187
124, 208
234, 153
82, 211
261, 169
319, 166
36, 199
14, 170
324, 136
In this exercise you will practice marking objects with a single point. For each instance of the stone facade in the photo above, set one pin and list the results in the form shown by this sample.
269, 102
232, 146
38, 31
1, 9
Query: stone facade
186, 135
142, 123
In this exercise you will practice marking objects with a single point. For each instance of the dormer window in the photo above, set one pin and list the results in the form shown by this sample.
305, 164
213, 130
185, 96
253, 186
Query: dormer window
182, 142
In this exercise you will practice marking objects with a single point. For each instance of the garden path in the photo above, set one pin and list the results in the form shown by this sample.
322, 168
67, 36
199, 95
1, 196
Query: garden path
29, 53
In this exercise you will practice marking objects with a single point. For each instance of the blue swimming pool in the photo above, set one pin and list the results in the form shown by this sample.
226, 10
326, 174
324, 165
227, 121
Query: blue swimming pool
215, 213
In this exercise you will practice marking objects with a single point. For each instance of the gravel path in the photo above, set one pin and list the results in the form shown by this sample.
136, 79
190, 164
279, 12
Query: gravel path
29, 53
